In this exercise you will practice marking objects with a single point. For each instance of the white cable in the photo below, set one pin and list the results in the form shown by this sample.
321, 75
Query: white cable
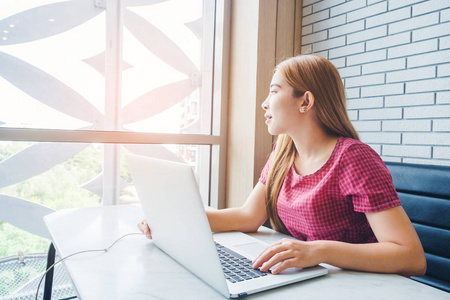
76, 253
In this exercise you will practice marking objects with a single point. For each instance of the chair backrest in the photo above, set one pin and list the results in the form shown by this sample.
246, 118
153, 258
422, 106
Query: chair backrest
424, 191
24, 214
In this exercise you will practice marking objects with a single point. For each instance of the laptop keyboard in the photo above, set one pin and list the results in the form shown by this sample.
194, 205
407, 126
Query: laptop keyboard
236, 267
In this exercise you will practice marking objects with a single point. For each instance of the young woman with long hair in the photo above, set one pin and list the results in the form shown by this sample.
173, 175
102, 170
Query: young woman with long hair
322, 185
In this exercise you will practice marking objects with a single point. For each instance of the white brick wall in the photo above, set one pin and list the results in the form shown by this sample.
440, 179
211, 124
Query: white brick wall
394, 59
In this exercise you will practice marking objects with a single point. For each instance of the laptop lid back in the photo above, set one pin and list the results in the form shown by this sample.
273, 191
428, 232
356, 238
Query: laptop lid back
172, 205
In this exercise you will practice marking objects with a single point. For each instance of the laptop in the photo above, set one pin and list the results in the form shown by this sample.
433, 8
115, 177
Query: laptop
172, 205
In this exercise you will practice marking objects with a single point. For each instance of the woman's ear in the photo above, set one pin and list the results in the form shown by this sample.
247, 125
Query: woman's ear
308, 102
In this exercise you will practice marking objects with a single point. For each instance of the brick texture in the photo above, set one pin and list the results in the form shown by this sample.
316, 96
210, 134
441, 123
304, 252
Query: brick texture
394, 60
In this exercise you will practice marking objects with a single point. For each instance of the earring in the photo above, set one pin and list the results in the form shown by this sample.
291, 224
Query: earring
302, 109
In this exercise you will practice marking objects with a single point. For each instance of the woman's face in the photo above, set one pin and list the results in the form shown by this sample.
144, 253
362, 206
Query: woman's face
282, 109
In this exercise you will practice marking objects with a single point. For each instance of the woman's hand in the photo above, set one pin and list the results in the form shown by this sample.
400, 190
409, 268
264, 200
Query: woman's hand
287, 253
143, 227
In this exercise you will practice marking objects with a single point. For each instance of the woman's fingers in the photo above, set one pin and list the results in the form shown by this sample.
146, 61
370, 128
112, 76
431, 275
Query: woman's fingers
269, 257
282, 255
285, 264
143, 227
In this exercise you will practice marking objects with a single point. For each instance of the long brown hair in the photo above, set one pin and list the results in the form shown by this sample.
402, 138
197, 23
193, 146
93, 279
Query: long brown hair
317, 75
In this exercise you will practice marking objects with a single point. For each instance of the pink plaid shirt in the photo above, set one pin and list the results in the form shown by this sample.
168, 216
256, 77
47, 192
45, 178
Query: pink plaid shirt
330, 204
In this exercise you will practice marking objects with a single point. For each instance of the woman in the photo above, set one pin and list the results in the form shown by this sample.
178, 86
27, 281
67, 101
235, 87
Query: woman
321, 184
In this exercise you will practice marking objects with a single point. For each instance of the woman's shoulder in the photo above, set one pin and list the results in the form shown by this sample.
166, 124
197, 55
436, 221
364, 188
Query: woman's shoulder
352, 148
349, 142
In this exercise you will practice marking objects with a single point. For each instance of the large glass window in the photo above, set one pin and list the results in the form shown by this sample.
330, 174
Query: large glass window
102, 65
83, 82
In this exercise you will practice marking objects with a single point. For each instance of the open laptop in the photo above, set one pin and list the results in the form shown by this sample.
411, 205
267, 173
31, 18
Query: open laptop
172, 205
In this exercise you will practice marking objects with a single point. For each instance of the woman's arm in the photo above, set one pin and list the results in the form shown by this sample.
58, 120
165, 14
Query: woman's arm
247, 218
398, 249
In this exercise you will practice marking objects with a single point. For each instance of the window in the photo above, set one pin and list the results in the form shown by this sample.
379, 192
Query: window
83, 82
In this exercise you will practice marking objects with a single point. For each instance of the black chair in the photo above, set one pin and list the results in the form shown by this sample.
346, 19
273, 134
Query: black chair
425, 194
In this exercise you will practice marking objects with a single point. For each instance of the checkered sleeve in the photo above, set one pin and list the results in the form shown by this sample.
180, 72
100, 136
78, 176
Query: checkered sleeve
265, 171
365, 180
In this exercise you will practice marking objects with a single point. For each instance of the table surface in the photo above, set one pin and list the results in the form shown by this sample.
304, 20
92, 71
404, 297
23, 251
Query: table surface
134, 268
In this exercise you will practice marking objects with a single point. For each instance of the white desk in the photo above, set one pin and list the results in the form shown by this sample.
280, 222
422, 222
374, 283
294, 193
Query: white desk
135, 269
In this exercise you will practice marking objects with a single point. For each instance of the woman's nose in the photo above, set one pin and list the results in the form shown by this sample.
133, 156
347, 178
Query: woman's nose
265, 105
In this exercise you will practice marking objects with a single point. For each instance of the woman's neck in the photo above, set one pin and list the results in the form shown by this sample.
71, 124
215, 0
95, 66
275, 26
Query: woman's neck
313, 150
311, 142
